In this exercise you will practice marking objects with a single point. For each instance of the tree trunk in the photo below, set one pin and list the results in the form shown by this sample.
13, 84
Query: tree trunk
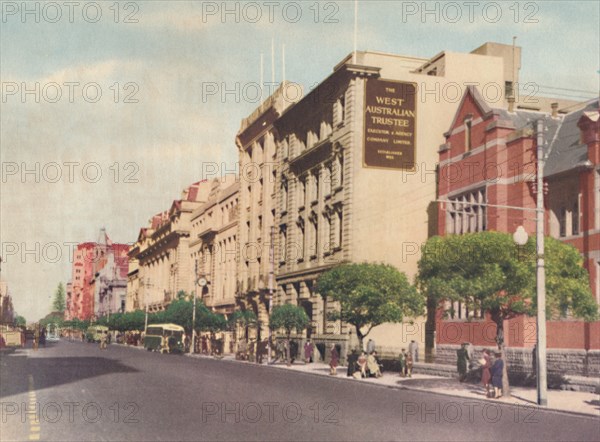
360, 337
287, 351
500, 341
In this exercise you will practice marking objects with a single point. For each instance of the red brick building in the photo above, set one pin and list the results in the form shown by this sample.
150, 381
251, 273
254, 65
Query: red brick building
88, 259
488, 160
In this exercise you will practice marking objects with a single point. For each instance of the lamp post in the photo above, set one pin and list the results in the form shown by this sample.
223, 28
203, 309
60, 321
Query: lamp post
542, 386
146, 305
200, 282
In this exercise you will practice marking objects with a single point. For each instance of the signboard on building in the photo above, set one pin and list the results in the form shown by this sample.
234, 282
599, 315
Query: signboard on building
390, 124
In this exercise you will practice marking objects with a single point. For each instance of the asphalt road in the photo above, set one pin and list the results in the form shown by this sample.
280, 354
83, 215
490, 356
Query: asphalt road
73, 391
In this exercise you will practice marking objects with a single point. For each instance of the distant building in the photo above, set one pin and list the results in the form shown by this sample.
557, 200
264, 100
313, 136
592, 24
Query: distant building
159, 262
110, 281
90, 280
7, 311
213, 245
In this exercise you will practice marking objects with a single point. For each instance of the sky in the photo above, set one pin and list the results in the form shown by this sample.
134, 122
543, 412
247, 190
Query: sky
110, 109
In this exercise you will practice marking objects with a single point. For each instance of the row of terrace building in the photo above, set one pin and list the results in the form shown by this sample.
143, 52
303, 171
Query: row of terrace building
351, 172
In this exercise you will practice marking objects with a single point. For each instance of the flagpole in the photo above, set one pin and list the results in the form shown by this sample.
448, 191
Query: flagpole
355, 30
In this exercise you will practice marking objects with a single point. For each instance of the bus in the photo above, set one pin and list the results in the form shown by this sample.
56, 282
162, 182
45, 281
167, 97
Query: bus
164, 338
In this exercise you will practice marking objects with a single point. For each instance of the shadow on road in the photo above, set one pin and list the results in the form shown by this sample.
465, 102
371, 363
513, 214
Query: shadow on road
52, 371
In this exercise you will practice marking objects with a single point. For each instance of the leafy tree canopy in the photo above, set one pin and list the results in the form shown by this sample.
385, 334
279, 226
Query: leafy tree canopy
288, 317
487, 270
370, 294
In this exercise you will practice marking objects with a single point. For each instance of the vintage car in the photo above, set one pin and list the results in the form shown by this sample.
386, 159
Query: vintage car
93, 332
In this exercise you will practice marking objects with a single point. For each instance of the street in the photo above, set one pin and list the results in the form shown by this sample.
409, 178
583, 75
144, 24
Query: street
73, 391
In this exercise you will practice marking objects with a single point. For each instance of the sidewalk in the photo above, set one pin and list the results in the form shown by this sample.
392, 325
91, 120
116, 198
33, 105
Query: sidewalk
558, 400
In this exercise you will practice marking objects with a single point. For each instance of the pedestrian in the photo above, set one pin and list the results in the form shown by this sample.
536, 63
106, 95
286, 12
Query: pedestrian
362, 364
36, 338
413, 349
308, 351
373, 365
486, 375
497, 374
293, 351
370, 346
333, 363
402, 358
43, 336
462, 362
352, 361
409, 365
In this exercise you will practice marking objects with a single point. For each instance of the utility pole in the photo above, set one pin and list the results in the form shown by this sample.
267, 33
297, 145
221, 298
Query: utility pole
271, 283
146, 287
194, 309
542, 385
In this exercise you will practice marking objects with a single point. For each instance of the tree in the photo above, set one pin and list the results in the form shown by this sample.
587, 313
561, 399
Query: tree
243, 318
20, 321
288, 317
369, 295
486, 270
58, 304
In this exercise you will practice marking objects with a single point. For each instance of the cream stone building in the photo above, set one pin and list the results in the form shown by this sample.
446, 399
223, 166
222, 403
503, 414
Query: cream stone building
256, 142
357, 173
213, 245
159, 262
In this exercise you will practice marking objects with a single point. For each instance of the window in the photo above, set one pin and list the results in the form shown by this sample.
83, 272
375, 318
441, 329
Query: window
314, 233
327, 231
339, 221
300, 239
282, 243
467, 213
285, 147
468, 141
508, 89
575, 217
284, 194
327, 179
314, 194
562, 222
341, 110
338, 180
301, 191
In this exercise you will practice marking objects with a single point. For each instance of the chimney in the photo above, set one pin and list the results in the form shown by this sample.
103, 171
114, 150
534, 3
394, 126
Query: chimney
554, 107
511, 104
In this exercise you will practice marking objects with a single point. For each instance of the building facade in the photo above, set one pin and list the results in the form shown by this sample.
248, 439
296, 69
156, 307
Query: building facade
159, 262
213, 245
357, 180
488, 163
98, 268
7, 312
110, 281
258, 162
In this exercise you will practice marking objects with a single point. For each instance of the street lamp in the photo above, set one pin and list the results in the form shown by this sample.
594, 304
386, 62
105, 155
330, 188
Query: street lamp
520, 236
146, 287
200, 282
